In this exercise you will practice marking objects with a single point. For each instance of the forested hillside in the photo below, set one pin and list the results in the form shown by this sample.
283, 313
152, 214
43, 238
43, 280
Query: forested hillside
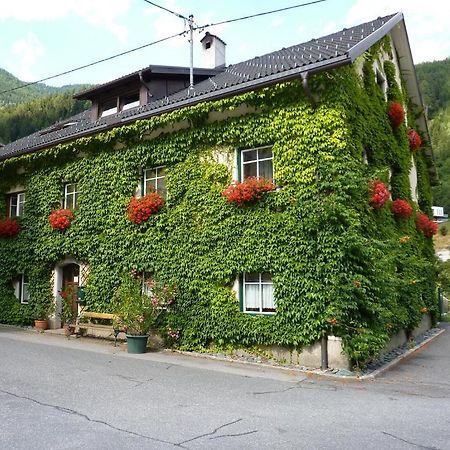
26, 110
434, 80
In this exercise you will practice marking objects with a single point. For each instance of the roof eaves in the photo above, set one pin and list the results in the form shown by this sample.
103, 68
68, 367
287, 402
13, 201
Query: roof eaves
362, 46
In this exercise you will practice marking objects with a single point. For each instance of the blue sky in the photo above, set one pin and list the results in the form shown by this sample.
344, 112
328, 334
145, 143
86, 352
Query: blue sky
45, 37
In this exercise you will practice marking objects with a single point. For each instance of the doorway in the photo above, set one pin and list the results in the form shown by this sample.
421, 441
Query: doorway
70, 283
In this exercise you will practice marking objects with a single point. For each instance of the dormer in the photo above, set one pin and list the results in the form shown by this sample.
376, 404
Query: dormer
140, 88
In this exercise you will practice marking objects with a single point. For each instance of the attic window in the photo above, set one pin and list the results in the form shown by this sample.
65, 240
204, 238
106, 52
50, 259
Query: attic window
129, 101
208, 45
109, 108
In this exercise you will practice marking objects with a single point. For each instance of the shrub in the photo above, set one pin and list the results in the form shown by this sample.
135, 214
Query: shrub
443, 230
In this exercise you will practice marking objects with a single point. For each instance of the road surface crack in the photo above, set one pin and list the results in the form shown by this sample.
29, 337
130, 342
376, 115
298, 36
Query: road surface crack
219, 436
409, 442
84, 416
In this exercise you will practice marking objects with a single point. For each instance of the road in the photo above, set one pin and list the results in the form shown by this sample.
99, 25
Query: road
78, 393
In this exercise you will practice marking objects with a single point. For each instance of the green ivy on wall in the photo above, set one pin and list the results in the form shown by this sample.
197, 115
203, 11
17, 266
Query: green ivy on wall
338, 266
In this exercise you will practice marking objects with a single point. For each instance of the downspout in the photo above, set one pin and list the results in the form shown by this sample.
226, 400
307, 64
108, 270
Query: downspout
324, 352
306, 88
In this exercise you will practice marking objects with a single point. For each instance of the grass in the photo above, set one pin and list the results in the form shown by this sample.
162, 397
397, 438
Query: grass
442, 242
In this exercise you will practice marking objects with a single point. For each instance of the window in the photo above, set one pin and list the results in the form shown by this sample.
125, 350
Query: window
71, 195
381, 81
257, 293
109, 107
130, 101
16, 204
257, 162
21, 289
154, 179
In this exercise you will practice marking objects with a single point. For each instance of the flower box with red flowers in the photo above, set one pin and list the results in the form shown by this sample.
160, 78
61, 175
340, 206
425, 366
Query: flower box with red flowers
401, 208
415, 141
140, 209
9, 228
425, 225
60, 219
379, 194
396, 114
250, 190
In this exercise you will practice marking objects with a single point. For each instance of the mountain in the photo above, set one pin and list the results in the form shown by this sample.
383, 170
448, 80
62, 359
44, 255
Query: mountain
31, 108
434, 81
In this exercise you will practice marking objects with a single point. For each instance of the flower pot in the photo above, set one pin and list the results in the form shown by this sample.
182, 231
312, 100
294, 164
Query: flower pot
68, 329
41, 325
136, 344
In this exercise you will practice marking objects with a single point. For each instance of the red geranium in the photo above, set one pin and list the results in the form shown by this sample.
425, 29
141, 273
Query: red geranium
9, 228
60, 219
415, 141
140, 209
427, 226
396, 114
251, 189
401, 208
379, 194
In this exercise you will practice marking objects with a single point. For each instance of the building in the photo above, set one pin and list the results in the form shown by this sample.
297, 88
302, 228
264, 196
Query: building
317, 256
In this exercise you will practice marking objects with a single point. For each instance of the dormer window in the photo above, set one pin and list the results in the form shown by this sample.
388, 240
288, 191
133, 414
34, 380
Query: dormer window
109, 108
129, 101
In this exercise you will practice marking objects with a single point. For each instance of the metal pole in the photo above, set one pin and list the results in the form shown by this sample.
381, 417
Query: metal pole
324, 352
191, 42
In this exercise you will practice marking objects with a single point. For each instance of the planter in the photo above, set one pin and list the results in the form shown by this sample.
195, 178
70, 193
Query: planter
69, 329
41, 325
136, 344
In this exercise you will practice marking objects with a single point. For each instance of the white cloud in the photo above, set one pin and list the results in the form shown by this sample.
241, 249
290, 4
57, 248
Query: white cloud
427, 23
25, 52
102, 13
277, 22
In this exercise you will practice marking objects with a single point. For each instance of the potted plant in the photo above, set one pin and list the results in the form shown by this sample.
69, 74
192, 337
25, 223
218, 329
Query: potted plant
42, 310
68, 312
134, 312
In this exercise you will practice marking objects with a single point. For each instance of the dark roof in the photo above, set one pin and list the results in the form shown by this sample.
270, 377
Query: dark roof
289, 63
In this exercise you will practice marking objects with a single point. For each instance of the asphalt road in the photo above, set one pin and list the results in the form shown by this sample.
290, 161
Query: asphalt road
71, 394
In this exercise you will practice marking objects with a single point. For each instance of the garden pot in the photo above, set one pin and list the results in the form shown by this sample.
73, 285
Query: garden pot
41, 325
136, 344
69, 329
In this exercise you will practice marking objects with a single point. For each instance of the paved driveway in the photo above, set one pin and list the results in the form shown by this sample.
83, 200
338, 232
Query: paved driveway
68, 394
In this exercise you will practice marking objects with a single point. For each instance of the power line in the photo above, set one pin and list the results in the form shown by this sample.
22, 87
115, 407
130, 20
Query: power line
93, 63
167, 9
258, 15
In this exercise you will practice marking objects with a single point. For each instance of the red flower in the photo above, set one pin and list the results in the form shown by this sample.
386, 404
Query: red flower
379, 194
140, 209
415, 141
60, 219
396, 114
9, 228
401, 208
427, 226
251, 189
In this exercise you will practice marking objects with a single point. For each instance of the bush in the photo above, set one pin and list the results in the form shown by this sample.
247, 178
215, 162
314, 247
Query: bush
443, 230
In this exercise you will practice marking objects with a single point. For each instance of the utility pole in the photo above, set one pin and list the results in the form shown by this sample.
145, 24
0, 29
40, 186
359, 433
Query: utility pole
191, 42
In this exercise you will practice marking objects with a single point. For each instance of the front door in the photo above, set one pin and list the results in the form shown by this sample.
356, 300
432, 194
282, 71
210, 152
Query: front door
71, 277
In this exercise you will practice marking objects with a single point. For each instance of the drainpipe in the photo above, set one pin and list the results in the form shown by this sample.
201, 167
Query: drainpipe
306, 88
324, 352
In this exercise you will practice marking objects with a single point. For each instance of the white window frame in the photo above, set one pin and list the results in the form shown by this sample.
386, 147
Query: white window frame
23, 283
259, 283
20, 204
257, 160
73, 194
156, 178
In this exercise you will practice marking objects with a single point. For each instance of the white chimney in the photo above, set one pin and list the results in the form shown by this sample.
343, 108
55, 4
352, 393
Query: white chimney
213, 51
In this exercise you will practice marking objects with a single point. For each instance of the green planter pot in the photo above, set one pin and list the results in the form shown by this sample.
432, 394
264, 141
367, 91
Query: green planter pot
136, 344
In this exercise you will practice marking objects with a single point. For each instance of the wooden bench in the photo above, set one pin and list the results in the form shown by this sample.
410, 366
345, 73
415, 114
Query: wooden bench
96, 329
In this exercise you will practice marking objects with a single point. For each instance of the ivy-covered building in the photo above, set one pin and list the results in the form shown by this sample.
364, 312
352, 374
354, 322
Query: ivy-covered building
331, 243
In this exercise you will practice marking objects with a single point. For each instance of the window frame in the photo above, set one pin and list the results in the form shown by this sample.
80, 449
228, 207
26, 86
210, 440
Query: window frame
241, 162
17, 196
156, 178
260, 283
74, 194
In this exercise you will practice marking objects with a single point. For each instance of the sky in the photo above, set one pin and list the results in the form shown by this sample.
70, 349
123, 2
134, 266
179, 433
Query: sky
40, 38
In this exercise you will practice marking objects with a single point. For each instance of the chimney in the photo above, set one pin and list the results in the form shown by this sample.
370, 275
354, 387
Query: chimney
213, 51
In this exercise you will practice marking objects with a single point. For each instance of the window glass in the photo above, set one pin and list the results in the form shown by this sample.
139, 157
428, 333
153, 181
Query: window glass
16, 204
154, 179
257, 163
24, 292
71, 195
258, 293
249, 155
252, 297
